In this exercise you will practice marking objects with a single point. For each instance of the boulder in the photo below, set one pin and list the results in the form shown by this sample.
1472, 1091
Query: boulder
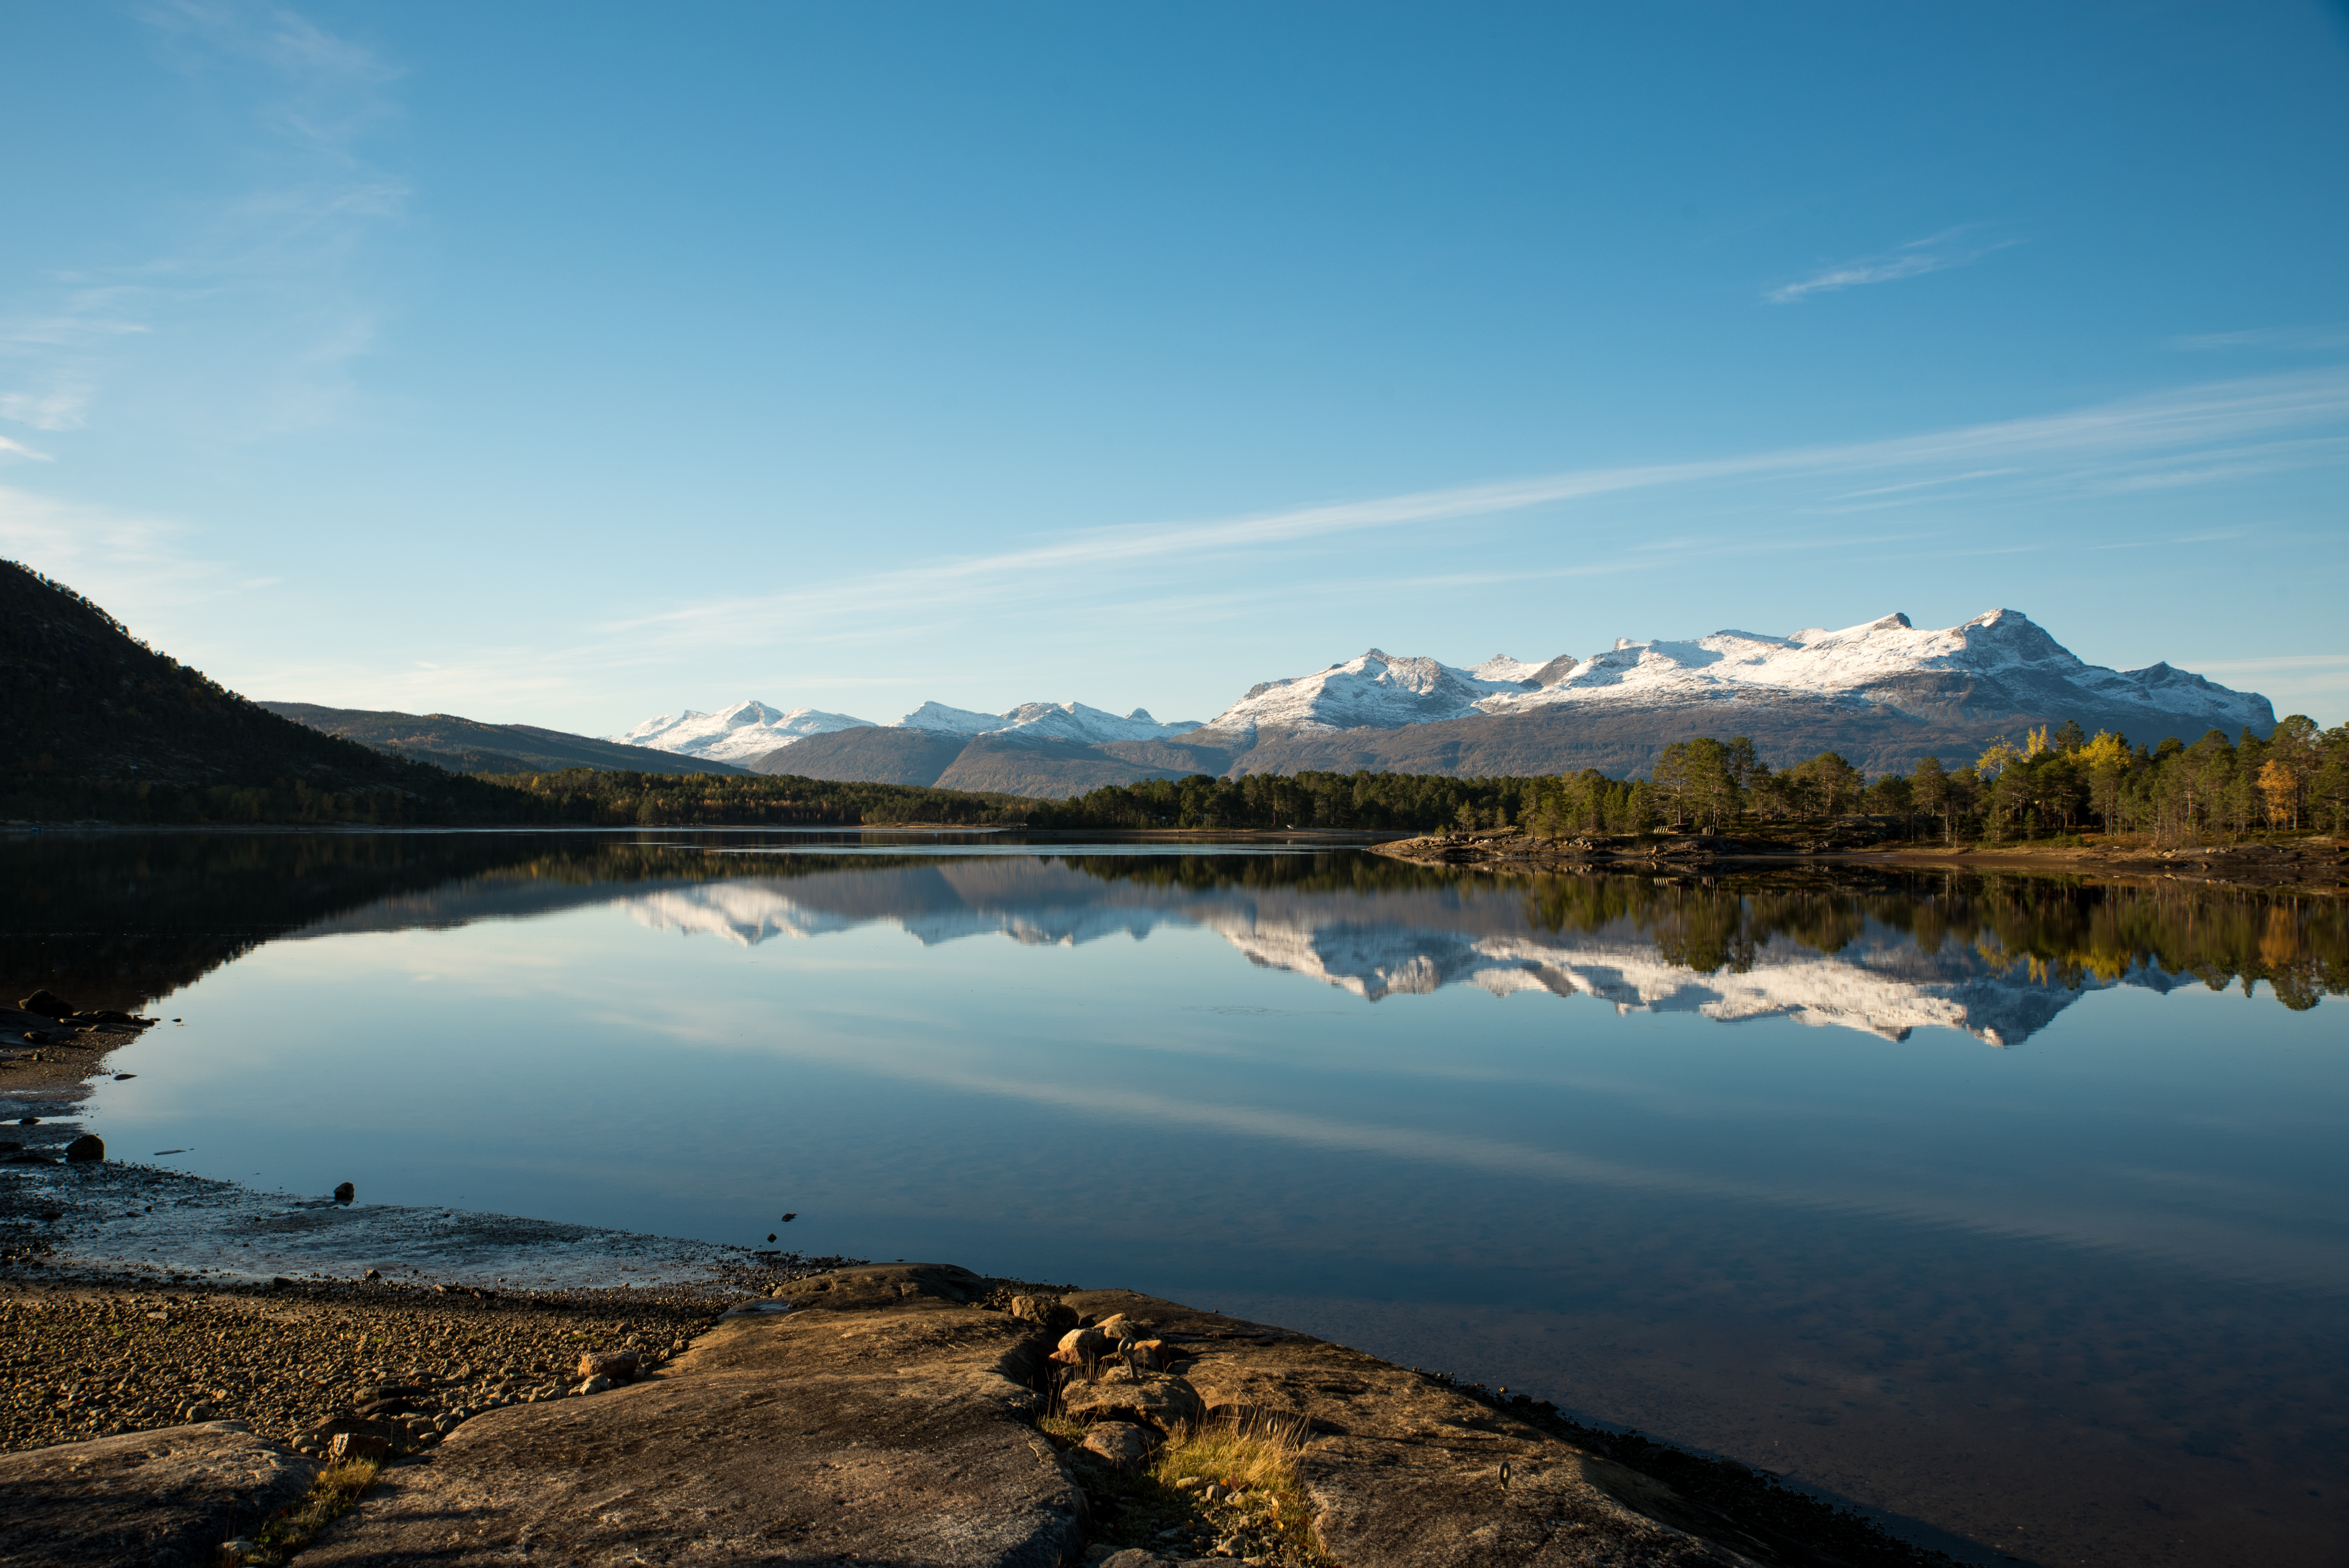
89, 1149
1079, 1346
1120, 1442
145, 1499
47, 1003
1148, 1398
1045, 1312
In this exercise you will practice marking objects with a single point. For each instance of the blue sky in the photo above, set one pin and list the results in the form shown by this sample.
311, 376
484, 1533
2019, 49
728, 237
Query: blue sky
570, 364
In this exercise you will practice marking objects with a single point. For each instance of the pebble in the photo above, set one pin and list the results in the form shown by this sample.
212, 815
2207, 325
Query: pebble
89, 1359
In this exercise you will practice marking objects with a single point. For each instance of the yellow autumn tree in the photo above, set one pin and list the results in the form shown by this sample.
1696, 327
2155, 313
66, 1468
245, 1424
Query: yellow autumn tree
2108, 750
2282, 792
1998, 758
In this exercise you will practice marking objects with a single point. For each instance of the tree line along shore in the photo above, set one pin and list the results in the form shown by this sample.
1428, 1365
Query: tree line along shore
2057, 783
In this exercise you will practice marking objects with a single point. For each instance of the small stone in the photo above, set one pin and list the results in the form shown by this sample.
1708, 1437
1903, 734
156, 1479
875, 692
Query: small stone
47, 1003
235, 1552
344, 1192
372, 1274
1079, 1345
89, 1149
593, 1385
1216, 1491
612, 1366
344, 1447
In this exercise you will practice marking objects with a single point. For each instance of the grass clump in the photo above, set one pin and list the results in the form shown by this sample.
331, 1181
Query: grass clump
334, 1493
1226, 1488
1262, 1510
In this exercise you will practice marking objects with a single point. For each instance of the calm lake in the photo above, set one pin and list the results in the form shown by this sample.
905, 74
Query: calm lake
2008, 1210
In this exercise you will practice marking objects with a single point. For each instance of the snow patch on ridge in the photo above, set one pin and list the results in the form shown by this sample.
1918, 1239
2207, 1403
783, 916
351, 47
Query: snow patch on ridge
1045, 721
738, 734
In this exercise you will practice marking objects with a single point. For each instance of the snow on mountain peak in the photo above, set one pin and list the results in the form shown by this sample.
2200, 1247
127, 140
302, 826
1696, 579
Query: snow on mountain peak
1864, 663
1044, 721
748, 729
1373, 690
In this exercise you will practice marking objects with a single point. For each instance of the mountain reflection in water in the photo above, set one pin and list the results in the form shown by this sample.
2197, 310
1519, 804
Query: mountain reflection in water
1997, 957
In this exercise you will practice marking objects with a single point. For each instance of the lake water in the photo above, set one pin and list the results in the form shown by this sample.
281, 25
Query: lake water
2007, 1209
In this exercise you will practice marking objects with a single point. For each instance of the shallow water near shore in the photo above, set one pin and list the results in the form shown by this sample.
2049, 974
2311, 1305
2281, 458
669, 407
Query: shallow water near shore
2006, 1209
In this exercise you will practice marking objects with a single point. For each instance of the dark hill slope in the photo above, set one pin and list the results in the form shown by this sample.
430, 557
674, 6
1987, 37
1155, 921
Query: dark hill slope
987, 764
469, 746
96, 725
1054, 769
872, 754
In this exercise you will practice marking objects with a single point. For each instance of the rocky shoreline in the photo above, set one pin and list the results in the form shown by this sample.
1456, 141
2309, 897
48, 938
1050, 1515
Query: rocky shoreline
184, 1358
2316, 865
787, 1412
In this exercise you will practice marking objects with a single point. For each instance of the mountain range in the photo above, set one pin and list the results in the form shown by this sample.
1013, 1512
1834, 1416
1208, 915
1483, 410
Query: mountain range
1884, 694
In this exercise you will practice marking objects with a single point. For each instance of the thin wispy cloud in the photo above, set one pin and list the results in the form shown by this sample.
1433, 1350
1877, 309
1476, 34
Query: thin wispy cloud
2333, 335
2281, 662
21, 452
2079, 450
292, 252
1936, 253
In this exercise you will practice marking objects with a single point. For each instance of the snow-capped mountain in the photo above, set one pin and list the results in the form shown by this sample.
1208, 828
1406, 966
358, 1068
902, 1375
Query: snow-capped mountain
1879, 663
1883, 693
1044, 721
1374, 690
738, 734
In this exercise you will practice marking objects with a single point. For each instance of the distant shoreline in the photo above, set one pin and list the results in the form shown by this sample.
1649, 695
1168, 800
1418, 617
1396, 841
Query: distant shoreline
2314, 865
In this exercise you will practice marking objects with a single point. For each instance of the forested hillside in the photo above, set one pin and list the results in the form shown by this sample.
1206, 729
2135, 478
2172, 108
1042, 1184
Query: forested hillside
469, 746
96, 725
601, 799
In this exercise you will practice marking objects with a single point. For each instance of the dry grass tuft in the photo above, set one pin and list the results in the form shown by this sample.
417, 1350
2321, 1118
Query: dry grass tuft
1258, 1454
334, 1493
1265, 1516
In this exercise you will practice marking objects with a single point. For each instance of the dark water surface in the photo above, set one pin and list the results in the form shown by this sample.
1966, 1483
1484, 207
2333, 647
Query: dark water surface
2009, 1208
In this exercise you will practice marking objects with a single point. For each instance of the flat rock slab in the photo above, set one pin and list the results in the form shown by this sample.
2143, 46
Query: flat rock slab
882, 1419
1405, 1473
145, 1499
